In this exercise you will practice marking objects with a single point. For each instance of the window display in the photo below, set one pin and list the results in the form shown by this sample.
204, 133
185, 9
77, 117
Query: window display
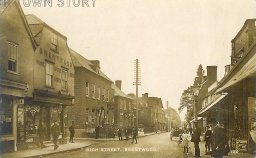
5, 115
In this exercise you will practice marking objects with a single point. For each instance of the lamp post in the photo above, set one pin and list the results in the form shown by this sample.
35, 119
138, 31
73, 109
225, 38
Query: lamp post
196, 89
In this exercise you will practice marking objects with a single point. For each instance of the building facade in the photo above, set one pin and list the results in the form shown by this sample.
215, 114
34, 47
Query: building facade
94, 97
151, 114
125, 114
53, 82
232, 101
16, 78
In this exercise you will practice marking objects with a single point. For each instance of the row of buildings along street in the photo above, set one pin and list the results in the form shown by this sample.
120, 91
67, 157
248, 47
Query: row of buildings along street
42, 80
232, 100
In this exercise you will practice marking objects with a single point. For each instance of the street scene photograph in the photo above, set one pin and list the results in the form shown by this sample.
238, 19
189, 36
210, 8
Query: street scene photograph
127, 78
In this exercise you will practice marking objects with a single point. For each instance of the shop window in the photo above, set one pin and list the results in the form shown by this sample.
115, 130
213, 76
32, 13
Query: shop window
5, 116
12, 57
32, 122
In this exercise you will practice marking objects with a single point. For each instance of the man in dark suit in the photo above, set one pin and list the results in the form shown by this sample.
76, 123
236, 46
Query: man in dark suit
134, 134
196, 139
72, 132
55, 134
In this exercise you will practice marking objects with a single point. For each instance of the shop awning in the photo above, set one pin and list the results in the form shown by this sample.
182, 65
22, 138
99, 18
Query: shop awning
211, 105
244, 69
198, 118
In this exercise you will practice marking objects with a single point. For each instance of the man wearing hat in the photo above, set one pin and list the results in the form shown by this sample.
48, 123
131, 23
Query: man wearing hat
55, 129
196, 139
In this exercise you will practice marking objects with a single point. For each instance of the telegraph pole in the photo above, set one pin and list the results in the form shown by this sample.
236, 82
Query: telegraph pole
137, 82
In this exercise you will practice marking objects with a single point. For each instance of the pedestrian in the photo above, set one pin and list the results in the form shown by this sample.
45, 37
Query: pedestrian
134, 134
119, 133
252, 140
72, 132
97, 130
196, 139
219, 141
185, 140
226, 145
55, 129
126, 133
42, 134
208, 140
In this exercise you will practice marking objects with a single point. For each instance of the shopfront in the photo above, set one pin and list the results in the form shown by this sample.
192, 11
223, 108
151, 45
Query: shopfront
37, 112
7, 137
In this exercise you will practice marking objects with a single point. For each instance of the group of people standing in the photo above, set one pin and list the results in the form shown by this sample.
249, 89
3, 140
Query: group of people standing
134, 133
216, 140
55, 131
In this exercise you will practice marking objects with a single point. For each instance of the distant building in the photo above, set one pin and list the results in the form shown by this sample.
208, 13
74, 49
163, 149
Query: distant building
123, 107
151, 114
93, 97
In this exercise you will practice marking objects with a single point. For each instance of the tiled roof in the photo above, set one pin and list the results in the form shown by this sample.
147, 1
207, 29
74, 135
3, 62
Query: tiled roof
118, 92
36, 26
80, 61
32, 19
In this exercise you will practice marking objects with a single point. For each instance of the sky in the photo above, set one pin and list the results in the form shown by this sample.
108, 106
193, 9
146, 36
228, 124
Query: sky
169, 37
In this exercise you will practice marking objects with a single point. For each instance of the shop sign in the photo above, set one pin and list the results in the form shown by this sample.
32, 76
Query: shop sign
241, 146
21, 116
29, 140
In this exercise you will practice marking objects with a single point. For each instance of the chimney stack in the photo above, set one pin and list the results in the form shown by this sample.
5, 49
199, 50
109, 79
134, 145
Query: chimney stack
145, 95
118, 83
211, 75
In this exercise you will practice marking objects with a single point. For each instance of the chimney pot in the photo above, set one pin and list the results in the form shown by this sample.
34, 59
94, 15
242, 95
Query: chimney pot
118, 83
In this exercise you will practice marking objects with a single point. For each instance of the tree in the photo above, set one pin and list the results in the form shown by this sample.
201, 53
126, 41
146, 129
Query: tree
186, 100
200, 76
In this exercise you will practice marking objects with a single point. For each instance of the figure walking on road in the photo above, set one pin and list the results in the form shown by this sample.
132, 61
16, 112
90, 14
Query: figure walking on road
55, 134
72, 132
134, 134
196, 139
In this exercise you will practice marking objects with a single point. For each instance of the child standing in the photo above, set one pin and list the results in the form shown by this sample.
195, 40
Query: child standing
185, 141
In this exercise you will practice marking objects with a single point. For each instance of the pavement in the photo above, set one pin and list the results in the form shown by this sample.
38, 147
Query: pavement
80, 143
230, 155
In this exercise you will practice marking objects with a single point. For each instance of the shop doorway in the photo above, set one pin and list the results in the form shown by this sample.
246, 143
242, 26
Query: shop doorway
45, 119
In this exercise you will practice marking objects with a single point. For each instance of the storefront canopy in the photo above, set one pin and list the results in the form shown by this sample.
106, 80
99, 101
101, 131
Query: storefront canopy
202, 111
